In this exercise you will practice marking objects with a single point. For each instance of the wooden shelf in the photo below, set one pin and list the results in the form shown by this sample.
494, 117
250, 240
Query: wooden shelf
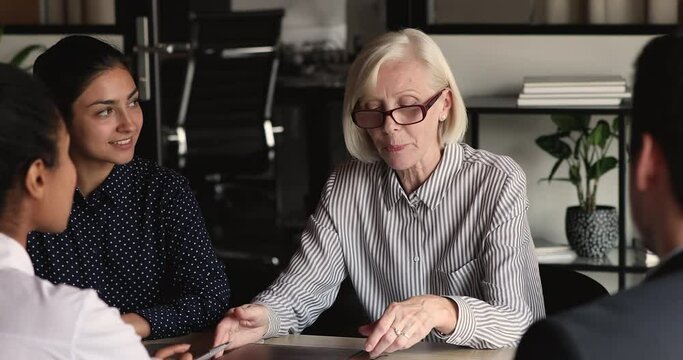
636, 262
416, 13
477, 106
508, 105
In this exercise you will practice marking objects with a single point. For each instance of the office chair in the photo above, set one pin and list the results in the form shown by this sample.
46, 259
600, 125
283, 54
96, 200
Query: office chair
564, 289
224, 123
224, 136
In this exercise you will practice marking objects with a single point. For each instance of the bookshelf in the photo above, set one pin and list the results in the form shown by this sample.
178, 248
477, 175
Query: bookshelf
622, 260
420, 14
635, 261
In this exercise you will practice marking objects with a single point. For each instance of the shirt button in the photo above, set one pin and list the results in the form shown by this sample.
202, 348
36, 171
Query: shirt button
416, 258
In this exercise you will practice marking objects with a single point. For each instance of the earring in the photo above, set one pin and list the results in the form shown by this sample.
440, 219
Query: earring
443, 117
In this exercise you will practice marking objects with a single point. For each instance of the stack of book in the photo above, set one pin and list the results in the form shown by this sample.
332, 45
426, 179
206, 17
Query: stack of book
573, 91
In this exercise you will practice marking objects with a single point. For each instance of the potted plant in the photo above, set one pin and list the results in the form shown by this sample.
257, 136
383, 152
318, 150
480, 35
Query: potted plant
20, 57
592, 230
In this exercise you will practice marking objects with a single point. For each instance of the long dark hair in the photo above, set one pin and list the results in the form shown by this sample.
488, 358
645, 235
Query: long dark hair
71, 64
28, 127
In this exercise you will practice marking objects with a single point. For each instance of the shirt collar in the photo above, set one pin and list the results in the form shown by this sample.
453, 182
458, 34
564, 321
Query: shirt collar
114, 185
14, 256
392, 189
434, 189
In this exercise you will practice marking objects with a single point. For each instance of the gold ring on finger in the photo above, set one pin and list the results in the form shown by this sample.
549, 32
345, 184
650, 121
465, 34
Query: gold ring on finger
398, 332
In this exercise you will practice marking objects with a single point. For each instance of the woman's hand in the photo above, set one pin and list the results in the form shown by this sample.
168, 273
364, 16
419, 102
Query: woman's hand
242, 325
405, 323
172, 350
139, 323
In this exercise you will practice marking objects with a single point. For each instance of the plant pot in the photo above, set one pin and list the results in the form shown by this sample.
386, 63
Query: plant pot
592, 234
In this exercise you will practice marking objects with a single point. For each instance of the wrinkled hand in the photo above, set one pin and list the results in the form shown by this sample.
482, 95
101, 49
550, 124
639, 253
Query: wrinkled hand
405, 323
172, 350
242, 325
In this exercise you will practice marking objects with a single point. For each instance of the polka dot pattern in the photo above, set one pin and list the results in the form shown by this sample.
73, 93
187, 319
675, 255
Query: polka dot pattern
140, 241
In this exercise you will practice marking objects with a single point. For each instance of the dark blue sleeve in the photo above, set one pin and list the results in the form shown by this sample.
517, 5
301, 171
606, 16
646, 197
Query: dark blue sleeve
197, 274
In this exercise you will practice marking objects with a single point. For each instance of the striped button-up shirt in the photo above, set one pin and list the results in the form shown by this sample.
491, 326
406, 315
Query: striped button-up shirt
462, 234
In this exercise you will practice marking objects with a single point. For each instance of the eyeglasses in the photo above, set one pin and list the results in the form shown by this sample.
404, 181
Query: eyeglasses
402, 115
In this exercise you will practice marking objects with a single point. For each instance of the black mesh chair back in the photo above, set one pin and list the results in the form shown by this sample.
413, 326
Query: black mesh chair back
224, 122
564, 289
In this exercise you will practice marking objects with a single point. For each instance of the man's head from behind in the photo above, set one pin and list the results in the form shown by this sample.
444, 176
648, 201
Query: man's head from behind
656, 187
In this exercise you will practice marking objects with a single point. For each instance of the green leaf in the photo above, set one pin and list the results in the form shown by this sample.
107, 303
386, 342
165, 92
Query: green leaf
566, 122
555, 179
577, 147
553, 145
600, 134
555, 167
602, 166
575, 175
615, 125
21, 56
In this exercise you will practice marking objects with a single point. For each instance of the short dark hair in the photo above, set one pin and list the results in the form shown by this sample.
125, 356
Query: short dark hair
28, 127
70, 65
658, 103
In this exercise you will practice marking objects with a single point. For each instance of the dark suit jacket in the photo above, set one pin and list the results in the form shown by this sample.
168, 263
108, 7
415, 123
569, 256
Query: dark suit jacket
641, 323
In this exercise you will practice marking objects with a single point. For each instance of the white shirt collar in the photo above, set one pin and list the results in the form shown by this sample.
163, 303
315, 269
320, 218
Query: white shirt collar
14, 256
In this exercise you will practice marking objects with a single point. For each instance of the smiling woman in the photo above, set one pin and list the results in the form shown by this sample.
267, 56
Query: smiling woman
135, 234
105, 125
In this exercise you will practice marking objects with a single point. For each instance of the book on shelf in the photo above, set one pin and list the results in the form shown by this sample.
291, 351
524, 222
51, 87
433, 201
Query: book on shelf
592, 90
575, 89
555, 254
619, 95
577, 80
568, 101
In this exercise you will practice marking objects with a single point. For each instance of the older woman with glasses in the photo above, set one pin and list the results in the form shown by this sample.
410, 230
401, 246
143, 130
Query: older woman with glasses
432, 233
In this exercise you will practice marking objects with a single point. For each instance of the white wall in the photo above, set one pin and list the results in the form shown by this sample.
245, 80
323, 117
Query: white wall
495, 65
305, 20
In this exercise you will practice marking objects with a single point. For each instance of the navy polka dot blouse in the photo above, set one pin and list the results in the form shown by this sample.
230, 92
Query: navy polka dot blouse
140, 241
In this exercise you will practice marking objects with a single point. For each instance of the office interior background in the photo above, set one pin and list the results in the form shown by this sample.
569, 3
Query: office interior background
255, 219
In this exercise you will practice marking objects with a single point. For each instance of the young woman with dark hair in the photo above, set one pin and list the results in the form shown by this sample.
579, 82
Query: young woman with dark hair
136, 234
40, 320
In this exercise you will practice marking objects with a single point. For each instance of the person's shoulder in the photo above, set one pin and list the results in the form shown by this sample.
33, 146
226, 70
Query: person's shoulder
478, 158
357, 174
149, 171
492, 166
355, 166
352, 176
48, 303
63, 319
66, 298
589, 330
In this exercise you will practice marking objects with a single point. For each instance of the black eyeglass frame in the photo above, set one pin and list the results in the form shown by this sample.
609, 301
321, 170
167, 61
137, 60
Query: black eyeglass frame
424, 108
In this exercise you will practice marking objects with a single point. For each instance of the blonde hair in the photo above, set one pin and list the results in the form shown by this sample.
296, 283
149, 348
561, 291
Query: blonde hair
407, 44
